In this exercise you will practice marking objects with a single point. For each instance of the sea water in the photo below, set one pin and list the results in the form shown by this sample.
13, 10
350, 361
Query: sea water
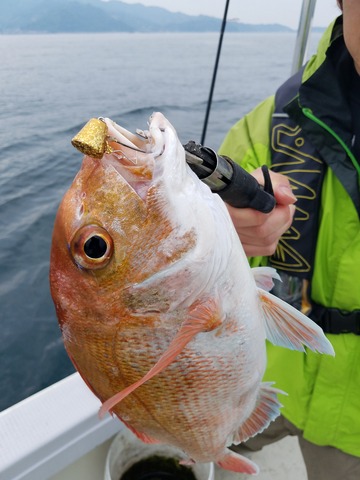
50, 85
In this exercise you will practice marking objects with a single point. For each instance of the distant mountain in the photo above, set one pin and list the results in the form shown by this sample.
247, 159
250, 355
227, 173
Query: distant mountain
56, 16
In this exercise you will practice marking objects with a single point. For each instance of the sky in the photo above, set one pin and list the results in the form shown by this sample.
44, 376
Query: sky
285, 12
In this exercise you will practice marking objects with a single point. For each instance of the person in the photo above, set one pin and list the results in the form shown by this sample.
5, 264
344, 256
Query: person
309, 133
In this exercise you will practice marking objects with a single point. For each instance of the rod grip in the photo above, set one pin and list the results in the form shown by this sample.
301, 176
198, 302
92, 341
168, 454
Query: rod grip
245, 192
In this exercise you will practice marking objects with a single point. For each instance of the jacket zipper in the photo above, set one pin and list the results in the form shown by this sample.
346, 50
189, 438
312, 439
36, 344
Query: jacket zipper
309, 114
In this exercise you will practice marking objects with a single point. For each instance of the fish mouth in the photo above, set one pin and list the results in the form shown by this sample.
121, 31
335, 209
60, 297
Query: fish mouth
118, 139
131, 155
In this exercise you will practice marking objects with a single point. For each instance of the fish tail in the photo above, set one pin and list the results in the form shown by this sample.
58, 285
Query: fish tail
237, 463
287, 327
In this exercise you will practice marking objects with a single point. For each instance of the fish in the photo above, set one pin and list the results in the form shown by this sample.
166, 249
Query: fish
159, 310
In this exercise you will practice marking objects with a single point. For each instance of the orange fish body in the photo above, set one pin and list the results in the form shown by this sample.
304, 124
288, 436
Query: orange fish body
159, 310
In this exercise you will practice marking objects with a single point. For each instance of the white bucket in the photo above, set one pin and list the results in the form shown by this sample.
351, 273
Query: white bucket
126, 450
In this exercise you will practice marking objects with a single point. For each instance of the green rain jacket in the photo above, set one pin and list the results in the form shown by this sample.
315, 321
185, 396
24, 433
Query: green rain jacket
323, 391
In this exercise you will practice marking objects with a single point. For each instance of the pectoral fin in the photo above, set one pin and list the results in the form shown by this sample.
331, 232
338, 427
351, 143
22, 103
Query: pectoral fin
263, 277
202, 317
287, 327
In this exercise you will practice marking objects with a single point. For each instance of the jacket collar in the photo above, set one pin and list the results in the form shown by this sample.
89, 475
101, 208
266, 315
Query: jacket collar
323, 91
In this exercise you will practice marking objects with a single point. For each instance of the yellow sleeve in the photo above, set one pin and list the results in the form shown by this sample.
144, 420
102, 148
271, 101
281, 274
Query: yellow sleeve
248, 141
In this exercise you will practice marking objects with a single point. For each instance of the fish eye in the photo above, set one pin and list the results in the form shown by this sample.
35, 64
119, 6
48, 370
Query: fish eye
92, 247
95, 247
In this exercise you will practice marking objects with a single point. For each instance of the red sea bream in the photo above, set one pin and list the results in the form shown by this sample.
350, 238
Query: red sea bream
159, 310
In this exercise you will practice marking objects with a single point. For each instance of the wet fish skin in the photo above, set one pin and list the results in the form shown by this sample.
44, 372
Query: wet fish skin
167, 326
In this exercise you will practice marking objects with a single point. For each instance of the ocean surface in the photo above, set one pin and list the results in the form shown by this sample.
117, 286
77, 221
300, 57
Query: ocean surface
50, 86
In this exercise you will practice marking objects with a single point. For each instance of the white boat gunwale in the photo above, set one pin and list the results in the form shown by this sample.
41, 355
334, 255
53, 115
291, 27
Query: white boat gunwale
48, 431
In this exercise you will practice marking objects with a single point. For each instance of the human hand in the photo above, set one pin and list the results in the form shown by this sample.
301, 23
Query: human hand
260, 232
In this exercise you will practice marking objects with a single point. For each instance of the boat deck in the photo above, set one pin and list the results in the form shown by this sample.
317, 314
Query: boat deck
280, 461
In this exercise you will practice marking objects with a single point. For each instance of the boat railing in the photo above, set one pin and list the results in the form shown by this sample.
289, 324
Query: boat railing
303, 33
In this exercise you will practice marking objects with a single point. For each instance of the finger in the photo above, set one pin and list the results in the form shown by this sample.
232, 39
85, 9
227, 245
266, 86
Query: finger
246, 217
281, 186
262, 240
259, 251
284, 195
276, 223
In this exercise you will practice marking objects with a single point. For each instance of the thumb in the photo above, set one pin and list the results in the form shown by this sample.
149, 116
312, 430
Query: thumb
283, 194
280, 184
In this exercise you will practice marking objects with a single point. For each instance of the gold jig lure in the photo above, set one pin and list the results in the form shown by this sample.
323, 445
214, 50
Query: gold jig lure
92, 139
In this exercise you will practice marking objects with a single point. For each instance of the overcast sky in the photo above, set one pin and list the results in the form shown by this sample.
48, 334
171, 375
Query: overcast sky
285, 12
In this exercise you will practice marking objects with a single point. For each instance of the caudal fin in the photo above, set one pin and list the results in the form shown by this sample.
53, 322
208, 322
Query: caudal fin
237, 463
287, 327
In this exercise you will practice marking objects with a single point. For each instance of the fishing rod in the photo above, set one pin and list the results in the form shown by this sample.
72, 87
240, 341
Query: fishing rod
306, 16
223, 25
234, 185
